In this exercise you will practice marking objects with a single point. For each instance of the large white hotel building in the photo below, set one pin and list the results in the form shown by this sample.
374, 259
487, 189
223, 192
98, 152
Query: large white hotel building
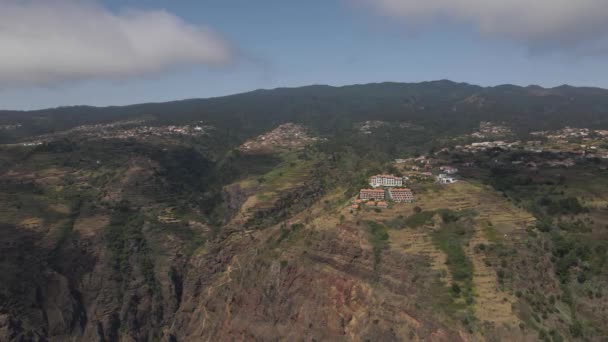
385, 180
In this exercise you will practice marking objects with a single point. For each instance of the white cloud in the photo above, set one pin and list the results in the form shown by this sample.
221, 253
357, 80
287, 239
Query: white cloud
44, 42
539, 24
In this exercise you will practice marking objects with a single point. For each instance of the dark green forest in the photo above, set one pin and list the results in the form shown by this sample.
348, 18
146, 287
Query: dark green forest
445, 106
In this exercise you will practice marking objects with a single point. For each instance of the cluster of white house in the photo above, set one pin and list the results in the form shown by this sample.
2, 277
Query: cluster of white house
393, 193
393, 187
442, 178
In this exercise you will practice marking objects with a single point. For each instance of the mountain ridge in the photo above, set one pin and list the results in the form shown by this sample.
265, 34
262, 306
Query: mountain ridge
444, 104
320, 86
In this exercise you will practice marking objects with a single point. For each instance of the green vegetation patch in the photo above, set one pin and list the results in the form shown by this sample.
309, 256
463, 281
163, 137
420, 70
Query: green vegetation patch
396, 223
420, 219
562, 206
125, 225
574, 251
125, 240
450, 239
288, 234
379, 239
490, 232
66, 228
291, 171
191, 239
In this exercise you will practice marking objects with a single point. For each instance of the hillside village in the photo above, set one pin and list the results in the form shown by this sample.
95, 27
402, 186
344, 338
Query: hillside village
489, 129
369, 127
573, 143
562, 148
285, 136
122, 130
10, 127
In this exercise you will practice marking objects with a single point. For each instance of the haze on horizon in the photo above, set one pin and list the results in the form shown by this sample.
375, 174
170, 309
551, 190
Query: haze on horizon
109, 52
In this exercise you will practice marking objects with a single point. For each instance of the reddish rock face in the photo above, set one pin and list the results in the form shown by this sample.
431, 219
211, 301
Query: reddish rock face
241, 285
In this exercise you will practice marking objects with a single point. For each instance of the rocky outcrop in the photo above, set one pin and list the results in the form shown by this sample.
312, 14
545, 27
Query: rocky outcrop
288, 204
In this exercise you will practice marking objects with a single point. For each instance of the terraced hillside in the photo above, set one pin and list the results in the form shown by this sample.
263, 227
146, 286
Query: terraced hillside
490, 219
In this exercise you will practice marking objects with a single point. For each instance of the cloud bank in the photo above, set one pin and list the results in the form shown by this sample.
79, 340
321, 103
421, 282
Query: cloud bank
45, 42
581, 25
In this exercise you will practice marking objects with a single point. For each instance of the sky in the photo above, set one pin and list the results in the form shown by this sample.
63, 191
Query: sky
115, 52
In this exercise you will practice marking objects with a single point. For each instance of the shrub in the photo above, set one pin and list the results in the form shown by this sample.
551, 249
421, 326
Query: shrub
378, 238
419, 219
449, 240
449, 216
576, 329
581, 278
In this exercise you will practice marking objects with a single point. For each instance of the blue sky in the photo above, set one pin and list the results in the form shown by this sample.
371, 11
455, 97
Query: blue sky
292, 43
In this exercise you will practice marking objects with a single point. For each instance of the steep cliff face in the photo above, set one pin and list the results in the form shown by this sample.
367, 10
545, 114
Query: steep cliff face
241, 285
309, 285
133, 271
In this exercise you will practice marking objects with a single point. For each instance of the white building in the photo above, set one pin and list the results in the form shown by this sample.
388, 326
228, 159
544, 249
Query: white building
385, 180
450, 170
445, 179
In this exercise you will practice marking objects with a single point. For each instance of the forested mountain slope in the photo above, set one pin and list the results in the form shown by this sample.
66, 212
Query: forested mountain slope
443, 104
